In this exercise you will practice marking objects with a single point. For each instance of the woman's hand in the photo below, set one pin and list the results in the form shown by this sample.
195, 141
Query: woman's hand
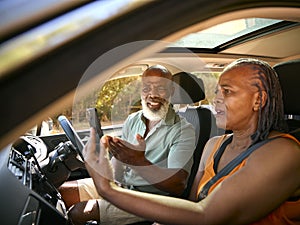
98, 163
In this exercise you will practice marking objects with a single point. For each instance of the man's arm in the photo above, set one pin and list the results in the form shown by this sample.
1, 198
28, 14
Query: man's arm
171, 180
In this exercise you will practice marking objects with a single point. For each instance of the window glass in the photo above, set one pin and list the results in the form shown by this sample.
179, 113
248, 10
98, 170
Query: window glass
117, 99
210, 80
39, 40
222, 33
114, 101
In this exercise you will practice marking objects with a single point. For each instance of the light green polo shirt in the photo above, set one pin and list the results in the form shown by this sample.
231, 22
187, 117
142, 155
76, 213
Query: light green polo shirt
170, 144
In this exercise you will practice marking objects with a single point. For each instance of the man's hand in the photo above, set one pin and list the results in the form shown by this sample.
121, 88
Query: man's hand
128, 153
171, 180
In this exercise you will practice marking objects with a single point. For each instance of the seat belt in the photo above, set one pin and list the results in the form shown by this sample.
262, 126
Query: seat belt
229, 167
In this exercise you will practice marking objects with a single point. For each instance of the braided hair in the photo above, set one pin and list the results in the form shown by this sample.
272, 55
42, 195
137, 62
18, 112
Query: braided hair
271, 116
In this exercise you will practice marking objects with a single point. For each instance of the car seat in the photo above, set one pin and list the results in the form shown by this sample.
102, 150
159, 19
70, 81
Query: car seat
190, 90
289, 80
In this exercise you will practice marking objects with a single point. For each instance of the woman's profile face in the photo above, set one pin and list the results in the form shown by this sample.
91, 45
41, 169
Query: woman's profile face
236, 98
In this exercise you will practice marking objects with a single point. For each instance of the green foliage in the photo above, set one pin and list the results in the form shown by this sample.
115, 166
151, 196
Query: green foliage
115, 100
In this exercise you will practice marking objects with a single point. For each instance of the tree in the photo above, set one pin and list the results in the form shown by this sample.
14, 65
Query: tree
117, 97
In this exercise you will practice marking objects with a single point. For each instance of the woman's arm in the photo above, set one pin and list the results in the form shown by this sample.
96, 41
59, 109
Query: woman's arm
118, 169
234, 201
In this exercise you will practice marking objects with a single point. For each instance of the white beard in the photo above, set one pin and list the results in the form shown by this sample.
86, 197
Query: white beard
155, 115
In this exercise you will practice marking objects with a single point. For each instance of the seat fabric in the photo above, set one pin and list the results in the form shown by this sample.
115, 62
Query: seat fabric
289, 80
192, 91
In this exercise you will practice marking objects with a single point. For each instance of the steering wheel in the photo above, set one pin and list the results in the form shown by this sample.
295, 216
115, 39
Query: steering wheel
71, 135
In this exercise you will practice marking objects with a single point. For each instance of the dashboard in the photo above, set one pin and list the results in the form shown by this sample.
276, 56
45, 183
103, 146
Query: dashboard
31, 169
27, 196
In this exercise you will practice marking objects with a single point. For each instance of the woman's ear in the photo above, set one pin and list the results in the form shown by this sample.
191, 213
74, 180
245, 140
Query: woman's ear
260, 100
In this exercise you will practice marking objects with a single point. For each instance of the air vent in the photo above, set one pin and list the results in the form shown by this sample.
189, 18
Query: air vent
20, 167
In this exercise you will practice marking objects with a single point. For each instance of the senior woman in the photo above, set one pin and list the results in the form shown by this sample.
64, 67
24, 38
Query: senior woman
263, 189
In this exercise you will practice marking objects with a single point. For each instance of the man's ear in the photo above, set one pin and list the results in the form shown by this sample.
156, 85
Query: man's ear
260, 100
171, 90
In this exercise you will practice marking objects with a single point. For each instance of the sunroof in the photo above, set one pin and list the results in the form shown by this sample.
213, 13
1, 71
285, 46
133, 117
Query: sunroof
222, 33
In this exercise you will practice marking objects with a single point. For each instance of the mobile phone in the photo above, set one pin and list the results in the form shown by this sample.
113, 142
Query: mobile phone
94, 122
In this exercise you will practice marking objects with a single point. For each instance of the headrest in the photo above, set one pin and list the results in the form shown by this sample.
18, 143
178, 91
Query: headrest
189, 89
290, 80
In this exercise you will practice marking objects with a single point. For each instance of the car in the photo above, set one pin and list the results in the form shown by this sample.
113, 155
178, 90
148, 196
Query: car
60, 58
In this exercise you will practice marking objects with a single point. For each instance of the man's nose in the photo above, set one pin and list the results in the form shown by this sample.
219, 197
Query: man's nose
153, 91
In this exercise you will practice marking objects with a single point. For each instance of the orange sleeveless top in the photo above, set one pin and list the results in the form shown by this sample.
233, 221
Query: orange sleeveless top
287, 213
